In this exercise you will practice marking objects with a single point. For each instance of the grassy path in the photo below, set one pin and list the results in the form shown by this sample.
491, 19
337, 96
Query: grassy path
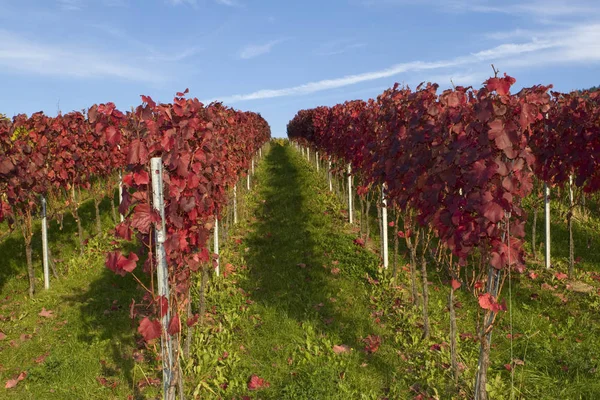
299, 288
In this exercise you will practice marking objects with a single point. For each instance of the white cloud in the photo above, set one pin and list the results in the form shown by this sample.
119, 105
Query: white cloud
511, 35
510, 49
255, 50
580, 44
20, 55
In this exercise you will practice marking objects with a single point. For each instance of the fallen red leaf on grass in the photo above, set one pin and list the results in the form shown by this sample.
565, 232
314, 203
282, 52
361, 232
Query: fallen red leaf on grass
342, 348
533, 275
25, 336
46, 313
256, 383
435, 347
41, 358
372, 343
11, 383
359, 242
560, 276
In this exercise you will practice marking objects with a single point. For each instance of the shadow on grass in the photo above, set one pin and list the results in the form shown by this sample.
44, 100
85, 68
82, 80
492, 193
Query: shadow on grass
63, 242
586, 241
104, 314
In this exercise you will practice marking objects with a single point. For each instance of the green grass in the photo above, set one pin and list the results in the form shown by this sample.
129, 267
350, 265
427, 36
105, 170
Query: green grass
87, 344
281, 309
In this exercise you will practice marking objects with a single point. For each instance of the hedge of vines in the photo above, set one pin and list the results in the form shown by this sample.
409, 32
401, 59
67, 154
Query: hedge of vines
457, 164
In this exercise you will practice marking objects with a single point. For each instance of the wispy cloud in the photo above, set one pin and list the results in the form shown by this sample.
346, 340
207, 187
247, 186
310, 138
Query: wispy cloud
512, 34
77, 5
177, 2
577, 45
151, 53
70, 5
255, 50
336, 47
536, 8
510, 49
230, 3
23, 56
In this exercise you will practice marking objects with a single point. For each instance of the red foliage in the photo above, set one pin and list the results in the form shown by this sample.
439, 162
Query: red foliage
150, 329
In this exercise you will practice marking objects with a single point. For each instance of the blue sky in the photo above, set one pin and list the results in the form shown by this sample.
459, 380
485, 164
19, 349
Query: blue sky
278, 56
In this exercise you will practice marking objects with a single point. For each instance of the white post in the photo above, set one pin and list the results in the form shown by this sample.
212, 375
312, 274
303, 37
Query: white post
308, 154
248, 181
385, 227
547, 217
252, 165
350, 208
45, 245
329, 175
260, 153
235, 204
317, 160
162, 272
120, 192
571, 189
302, 149
216, 244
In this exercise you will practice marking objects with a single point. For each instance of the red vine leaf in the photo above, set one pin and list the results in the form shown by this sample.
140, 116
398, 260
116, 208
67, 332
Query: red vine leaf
150, 329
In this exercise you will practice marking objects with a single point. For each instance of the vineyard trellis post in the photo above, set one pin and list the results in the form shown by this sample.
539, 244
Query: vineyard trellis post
235, 214
329, 174
547, 218
162, 274
493, 284
253, 166
570, 226
350, 209
216, 244
384, 225
121, 192
317, 160
45, 260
